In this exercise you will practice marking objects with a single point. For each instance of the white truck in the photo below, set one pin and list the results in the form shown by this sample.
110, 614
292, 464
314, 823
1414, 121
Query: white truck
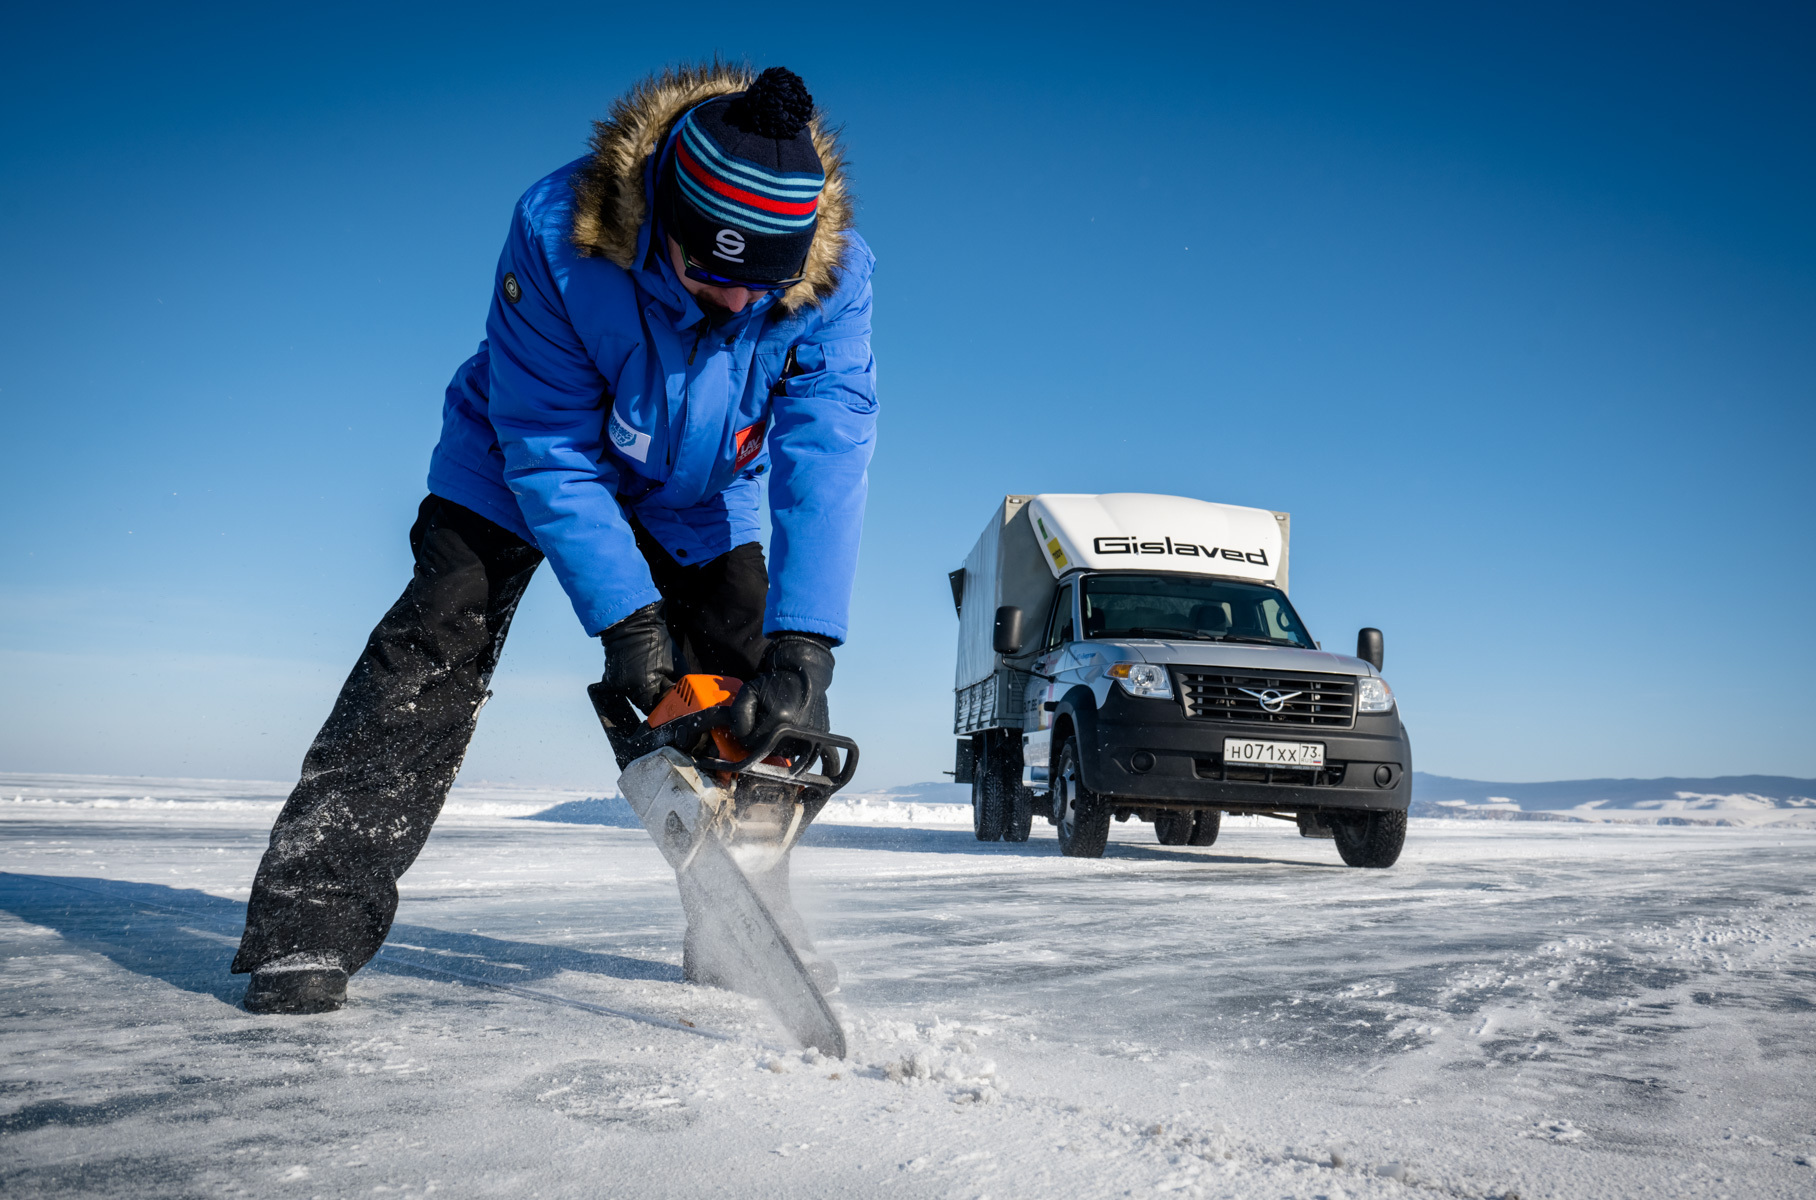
1130, 655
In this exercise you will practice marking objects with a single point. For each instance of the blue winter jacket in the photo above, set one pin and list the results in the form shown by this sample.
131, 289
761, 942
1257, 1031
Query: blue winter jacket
602, 387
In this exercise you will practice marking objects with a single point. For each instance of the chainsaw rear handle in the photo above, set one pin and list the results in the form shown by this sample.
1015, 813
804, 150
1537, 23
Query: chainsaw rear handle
835, 776
613, 708
632, 738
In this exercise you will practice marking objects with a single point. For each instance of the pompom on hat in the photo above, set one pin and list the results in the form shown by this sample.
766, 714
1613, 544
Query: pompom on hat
740, 189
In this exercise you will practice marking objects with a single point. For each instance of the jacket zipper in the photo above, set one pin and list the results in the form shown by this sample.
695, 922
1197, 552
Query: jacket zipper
699, 333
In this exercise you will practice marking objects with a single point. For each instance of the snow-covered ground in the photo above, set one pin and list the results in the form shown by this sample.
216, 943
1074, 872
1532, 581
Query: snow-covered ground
1516, 1009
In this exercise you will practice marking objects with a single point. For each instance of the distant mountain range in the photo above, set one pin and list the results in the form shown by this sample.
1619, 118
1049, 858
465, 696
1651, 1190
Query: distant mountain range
1723, 800
1782, 790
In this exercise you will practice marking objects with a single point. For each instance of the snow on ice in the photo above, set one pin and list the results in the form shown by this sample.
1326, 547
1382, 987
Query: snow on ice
1516, 1009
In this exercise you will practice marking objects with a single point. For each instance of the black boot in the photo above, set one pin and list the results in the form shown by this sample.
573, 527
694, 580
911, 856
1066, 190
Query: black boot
297, 984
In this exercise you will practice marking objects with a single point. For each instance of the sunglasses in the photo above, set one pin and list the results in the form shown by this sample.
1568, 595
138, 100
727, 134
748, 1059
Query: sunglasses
700, 274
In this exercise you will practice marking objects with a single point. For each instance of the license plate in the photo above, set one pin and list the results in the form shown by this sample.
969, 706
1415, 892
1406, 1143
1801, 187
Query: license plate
1308, 755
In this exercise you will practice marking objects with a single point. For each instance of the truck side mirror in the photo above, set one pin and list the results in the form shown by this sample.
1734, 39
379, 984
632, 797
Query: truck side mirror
1008, 636
1368, 647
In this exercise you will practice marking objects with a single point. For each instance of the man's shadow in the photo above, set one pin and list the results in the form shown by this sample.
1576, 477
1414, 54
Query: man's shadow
187, 938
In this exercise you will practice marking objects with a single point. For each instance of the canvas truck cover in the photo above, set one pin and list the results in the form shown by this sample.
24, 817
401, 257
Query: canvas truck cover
1006, 566
1133, 531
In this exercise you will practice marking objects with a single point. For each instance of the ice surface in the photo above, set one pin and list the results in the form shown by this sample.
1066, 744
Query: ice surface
1520, 1008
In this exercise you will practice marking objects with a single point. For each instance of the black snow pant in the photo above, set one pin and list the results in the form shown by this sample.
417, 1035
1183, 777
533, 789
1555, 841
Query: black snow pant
379, 771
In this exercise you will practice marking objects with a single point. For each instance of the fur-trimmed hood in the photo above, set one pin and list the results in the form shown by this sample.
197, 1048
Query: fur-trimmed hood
610, 202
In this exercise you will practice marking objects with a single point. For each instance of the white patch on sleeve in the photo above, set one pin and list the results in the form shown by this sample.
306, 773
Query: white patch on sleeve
629, 442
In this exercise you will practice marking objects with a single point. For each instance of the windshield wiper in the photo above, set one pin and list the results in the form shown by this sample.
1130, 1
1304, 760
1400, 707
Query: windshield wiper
1254, 641
1196, 635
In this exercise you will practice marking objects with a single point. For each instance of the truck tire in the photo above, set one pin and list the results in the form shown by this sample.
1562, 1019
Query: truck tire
988, 810
1369, 839
1084, 820
999, 766
1173, 828
1204, 827
1018, 810
986, 802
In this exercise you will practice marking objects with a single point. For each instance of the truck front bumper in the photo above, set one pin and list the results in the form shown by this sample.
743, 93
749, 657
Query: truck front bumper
1136, 750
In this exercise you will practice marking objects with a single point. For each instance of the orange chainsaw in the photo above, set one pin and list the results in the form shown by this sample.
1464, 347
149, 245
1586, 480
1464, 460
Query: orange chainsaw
723, 813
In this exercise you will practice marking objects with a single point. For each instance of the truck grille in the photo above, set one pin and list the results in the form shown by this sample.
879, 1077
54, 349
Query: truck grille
1322, 701
1331, 775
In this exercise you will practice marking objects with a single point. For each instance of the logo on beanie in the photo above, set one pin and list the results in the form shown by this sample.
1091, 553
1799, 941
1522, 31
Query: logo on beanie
731, 246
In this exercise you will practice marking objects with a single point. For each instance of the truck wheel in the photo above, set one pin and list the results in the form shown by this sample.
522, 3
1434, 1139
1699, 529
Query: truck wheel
986, 794
986, 805
1084, 820
1001, 771
1018, 810
1172, 828
1205, 827
1369, 839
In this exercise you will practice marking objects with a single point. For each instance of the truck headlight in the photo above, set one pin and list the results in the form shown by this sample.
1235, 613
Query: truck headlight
1143, 679
1373, 695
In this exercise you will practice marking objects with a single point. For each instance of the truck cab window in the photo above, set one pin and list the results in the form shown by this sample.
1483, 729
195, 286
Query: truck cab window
1059, 624
1280, 622
1189, 608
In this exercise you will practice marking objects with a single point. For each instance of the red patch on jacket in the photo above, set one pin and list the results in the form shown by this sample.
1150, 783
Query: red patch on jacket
749, 442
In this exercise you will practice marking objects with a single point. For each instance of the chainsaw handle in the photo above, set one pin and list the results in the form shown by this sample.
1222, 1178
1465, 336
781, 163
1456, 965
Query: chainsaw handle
822, 743
619, 720
631, 738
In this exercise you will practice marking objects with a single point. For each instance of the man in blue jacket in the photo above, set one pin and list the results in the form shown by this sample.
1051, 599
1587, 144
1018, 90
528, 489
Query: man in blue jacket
678, 318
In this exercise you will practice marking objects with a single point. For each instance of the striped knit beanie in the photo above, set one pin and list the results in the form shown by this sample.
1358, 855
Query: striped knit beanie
741, 188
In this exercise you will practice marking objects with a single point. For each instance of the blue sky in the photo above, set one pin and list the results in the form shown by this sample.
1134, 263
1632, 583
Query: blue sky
1511, 306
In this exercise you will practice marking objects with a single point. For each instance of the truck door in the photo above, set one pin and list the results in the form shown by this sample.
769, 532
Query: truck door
1037, 721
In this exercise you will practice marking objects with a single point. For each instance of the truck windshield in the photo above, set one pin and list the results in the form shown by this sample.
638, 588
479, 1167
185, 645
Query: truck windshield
1189, 608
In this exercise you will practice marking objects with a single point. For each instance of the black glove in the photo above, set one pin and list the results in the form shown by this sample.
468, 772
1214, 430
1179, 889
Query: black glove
640, 657
790, 689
